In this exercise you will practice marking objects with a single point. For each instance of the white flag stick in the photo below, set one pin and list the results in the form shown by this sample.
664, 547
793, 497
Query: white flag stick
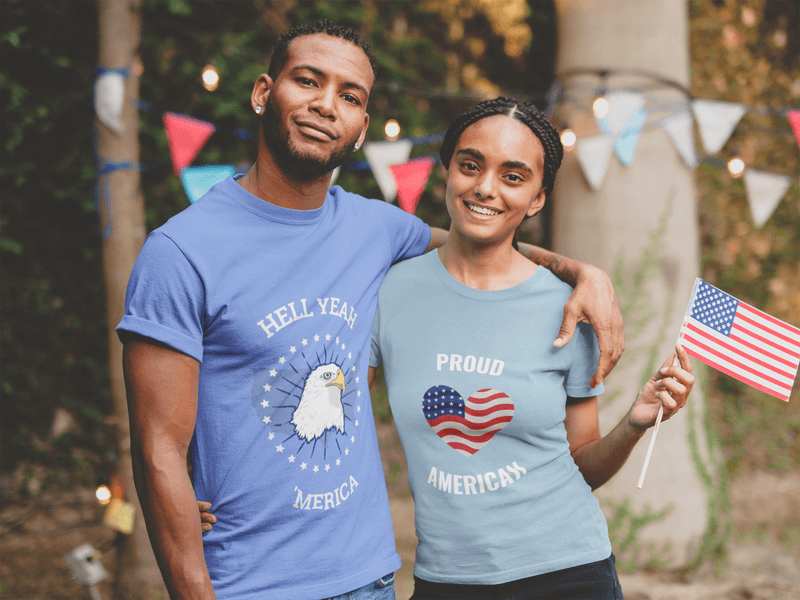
675, 363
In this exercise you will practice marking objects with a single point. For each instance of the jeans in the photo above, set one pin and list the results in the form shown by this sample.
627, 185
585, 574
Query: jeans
593, 581
380, 589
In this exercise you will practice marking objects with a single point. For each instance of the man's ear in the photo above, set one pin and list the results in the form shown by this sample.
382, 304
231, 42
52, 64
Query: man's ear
537, 204
363, 131
261, 90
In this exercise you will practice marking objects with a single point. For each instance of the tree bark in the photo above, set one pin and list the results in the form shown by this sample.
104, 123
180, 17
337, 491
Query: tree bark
616, 224
122, 226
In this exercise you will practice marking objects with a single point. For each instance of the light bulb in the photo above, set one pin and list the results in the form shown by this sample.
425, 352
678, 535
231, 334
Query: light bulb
736, 166
392, 129
568, 139
600, 107
210, 78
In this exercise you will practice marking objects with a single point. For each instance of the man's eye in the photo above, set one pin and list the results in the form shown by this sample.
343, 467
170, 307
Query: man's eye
469, 166
351, 99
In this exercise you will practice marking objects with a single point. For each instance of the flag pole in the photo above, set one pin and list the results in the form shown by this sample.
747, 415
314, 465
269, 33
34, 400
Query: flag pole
675, 363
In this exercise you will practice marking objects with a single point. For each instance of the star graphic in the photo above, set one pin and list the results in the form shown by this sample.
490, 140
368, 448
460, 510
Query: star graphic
327, 467
352, 439
358, 408
271, 435
273, 372
315, 469
316, 338
346, 451
327, 337
342, 346
303, 466
337, 340
359, 392
338, 461
305, 342
356, 423
354, 367
281, 360
279, 448
266, 420
350, 355
292, 349
267, 387
291, 459
264, 404
358, 379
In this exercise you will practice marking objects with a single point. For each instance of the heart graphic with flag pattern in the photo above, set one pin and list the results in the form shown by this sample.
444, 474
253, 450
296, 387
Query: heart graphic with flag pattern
466, 425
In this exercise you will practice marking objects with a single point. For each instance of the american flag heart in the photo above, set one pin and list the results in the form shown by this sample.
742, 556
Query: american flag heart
466, 426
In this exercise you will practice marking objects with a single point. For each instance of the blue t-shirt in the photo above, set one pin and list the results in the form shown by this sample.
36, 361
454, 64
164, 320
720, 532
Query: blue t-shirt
478, 395
277, 305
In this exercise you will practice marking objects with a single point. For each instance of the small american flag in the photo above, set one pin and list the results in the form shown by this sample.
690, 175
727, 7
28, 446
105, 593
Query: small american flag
466, 426
741, 341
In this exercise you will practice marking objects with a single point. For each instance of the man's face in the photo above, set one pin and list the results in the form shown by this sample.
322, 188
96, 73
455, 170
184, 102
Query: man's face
316, 108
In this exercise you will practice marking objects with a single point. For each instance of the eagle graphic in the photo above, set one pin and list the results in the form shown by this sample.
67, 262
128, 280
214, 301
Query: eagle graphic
320, 406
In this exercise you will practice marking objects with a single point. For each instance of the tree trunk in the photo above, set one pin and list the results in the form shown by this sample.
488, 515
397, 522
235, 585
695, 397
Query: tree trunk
615, 225
123, 230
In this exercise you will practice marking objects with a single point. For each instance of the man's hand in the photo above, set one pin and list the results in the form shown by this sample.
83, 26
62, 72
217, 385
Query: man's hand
593, 301
207, 518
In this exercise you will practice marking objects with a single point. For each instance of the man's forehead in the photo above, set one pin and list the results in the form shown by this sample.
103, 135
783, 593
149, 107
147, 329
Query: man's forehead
330, 50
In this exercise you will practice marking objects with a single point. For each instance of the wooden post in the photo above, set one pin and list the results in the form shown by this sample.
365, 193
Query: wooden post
123, 230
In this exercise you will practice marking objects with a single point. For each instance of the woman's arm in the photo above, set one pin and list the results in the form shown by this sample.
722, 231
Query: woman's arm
599, 458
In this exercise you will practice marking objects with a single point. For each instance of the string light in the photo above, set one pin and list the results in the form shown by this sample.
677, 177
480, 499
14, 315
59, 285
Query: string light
210, 77
600, 107
392, 129
568, 139
103, 494
736, 166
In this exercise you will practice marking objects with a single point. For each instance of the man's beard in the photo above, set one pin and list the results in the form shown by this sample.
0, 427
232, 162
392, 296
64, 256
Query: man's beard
298, 165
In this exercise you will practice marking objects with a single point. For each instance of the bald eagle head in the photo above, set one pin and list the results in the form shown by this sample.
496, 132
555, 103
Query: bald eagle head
320, 406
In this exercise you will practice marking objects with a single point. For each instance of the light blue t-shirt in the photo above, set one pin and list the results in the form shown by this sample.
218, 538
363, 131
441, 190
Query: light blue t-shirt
278, 305
478, 395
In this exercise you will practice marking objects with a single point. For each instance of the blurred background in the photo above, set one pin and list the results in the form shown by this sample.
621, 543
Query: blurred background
60, 424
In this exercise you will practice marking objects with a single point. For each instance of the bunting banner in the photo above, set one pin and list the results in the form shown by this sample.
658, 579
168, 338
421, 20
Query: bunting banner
410, 179
680, 128
334, 175
764, 190
622, 106
625, 143
186, 136
741, 341
381, 155
794, 119
593, 153
198, 180
109, 93
716, 120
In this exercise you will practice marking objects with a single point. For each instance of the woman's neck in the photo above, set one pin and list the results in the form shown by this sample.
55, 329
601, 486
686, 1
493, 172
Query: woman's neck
484, 266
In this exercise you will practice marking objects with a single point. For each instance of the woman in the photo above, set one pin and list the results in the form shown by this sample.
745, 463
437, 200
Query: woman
499, 428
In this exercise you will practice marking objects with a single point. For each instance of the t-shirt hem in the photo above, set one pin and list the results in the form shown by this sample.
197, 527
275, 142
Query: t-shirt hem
159, 333
472, 577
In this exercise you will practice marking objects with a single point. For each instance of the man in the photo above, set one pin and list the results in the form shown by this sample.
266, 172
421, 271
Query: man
246, 333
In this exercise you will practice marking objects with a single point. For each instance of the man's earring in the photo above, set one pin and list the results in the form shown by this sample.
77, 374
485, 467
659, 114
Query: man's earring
355, 147
258, 110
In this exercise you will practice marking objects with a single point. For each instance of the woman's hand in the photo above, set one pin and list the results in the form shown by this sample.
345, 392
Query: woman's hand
207, 519
670, 386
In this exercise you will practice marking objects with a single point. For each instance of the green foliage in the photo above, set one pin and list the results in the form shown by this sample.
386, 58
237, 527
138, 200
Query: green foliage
623, 530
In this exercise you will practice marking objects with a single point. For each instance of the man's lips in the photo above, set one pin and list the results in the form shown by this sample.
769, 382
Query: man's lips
318, 129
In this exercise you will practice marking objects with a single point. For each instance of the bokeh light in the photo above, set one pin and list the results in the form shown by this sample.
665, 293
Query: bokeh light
736, 166
103, 494
568, 139
392, 129
210, 78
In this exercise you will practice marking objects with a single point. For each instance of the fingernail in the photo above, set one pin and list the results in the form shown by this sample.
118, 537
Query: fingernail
664, 370
558, 342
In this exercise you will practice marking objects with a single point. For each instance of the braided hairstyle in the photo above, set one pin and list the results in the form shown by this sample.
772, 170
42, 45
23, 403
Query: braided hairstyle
524, 112
280, 53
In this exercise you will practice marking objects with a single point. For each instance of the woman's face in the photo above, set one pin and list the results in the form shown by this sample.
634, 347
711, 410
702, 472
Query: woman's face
495, 179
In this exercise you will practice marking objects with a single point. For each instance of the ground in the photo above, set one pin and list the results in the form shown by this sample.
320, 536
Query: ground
38, 531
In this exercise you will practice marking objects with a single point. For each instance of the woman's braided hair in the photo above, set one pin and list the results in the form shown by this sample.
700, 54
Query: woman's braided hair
521, 111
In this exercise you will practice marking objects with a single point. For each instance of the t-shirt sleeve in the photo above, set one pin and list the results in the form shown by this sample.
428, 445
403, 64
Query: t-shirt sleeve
165, 298
375, 348
409, 235
584, 364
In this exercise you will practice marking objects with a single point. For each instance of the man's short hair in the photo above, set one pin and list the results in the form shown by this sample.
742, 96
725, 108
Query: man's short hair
280, 53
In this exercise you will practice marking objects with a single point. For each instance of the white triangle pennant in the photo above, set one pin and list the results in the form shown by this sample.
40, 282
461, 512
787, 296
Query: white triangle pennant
764, 190
334, 175
717, 120
382, 155
109, 92
593, 153
622, 106
679, 128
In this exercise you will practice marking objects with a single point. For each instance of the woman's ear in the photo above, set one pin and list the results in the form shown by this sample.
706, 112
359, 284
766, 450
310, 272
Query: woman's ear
537, 203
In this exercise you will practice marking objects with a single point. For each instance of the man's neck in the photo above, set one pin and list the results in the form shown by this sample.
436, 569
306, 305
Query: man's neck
266, 180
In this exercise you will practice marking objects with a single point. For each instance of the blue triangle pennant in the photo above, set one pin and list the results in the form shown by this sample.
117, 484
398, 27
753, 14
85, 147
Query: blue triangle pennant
198, 180
625, 144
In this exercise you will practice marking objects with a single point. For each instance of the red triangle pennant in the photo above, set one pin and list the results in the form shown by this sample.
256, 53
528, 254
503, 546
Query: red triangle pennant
411, 178
794, 119
186, 137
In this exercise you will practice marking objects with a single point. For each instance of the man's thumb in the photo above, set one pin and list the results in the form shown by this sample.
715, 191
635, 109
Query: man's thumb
566, 331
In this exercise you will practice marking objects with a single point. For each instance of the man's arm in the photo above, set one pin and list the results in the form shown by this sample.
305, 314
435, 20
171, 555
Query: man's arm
161, 385
592, 301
